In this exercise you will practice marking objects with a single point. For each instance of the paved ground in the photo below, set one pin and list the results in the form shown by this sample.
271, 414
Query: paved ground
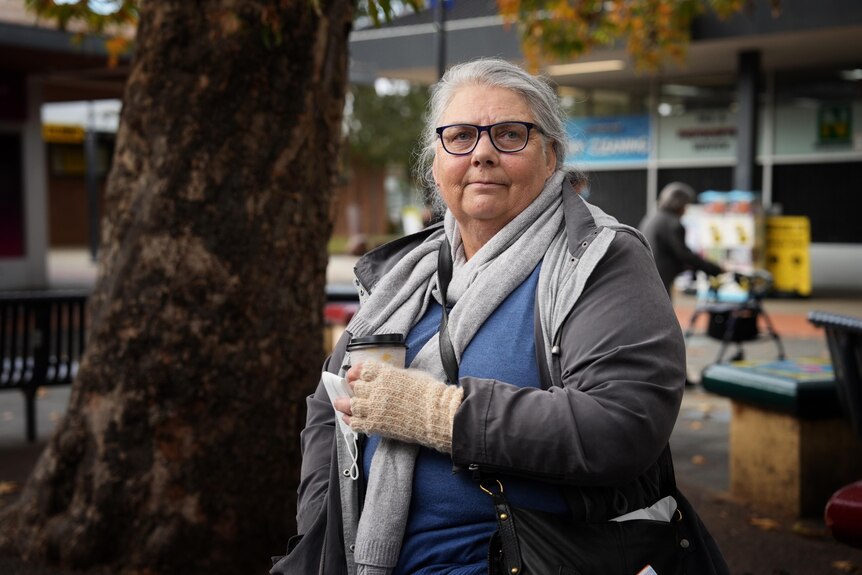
754, 543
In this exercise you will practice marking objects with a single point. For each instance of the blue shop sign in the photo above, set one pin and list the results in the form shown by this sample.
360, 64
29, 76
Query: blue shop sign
608, 140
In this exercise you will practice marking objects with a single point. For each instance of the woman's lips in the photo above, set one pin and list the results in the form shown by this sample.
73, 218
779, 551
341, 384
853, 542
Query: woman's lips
486, 184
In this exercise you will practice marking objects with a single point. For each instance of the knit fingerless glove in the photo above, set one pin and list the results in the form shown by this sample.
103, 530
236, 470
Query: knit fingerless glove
407, 405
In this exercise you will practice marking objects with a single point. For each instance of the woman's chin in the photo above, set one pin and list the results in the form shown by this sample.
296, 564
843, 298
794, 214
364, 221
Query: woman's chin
485, 213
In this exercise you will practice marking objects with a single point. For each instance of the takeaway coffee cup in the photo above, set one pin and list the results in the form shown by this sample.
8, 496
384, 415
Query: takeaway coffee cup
382, 348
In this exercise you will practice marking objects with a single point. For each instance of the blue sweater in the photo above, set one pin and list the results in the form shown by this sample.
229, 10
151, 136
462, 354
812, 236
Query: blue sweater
451, 520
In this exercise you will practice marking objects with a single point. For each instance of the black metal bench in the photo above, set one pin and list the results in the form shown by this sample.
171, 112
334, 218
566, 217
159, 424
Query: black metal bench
844, 337
41, 342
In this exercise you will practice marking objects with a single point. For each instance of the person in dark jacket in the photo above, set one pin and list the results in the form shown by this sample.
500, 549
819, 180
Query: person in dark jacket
666, 236
569, 359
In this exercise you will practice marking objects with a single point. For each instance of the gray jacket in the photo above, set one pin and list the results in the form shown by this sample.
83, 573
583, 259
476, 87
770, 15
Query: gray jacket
603, 431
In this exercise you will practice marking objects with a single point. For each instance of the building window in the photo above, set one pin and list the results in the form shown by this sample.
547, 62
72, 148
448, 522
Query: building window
818, 113
828, 193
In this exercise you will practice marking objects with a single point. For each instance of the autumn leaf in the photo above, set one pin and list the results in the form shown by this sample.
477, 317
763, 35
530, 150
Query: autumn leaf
698, 459
845, 566
116, 46
815, 531
764, 523
7, 487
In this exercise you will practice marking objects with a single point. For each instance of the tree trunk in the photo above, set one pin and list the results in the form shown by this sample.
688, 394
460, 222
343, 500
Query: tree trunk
179, 452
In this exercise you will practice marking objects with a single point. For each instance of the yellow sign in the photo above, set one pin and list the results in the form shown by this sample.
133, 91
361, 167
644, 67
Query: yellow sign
787, 257
62, 133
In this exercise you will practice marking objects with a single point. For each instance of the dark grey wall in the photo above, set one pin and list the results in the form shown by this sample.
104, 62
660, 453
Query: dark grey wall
795, 16
622, 194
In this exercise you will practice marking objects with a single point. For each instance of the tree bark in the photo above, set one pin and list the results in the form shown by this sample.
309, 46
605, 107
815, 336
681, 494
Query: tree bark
179, 452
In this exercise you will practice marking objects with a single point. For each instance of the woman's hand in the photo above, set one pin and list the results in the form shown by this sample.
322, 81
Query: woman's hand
342, 404
404, 404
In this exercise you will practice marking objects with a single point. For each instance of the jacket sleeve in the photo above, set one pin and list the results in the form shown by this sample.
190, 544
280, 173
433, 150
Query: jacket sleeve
623, 372
316, 443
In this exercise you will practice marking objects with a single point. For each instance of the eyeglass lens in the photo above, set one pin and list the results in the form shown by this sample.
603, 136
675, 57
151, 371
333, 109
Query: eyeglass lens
506, 137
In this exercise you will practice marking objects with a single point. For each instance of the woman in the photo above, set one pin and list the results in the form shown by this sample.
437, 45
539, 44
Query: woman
569, 360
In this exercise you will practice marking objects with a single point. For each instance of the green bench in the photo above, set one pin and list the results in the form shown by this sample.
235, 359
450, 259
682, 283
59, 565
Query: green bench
790, 446
803, 387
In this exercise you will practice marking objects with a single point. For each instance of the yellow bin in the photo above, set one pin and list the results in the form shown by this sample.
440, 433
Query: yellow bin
787, 257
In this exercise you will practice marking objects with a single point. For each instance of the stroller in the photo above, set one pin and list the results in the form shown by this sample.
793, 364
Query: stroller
736, 322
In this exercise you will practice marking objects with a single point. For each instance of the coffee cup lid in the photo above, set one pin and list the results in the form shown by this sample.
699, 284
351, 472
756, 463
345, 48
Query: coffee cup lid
375, 340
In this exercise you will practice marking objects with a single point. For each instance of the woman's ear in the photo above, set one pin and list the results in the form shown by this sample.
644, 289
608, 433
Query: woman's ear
550, 160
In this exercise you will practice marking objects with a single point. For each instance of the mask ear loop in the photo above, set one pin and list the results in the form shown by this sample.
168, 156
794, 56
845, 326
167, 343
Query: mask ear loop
353, 450
348, 434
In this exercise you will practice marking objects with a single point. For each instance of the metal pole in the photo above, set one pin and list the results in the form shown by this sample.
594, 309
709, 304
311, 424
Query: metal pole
90, 151
440, 22
748, 73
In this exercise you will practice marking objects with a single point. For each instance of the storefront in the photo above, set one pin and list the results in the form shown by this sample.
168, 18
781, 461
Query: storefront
808, 157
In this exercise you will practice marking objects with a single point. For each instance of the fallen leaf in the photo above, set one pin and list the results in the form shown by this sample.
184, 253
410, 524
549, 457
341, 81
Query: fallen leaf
695, 425
7, 487
845, 566
8, 416
764, 523
810, 529
698, 459
42, 392
55, 416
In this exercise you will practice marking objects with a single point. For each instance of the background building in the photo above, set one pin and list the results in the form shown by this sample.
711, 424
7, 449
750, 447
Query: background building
771, 105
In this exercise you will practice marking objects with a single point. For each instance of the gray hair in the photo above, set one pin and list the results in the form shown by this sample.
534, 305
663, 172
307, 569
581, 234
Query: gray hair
675, 196
491, 72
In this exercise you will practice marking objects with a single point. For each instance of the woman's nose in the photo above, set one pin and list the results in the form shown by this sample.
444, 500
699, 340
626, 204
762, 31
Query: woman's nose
484, 152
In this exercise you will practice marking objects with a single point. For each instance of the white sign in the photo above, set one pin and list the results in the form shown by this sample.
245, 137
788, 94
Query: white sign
699, 134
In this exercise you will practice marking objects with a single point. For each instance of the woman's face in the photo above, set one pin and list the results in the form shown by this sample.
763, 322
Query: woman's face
487, 187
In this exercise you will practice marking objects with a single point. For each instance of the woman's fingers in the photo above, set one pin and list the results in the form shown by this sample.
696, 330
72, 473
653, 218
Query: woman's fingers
342, 404
353, 374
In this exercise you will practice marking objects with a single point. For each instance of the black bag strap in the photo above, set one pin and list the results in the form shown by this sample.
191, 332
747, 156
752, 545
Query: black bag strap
444, 276
506, 529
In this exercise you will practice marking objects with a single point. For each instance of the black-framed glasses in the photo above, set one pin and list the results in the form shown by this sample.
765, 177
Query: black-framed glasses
507, 137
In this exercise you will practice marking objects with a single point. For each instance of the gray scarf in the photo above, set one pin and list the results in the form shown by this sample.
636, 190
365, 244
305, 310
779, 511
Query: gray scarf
478, 286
